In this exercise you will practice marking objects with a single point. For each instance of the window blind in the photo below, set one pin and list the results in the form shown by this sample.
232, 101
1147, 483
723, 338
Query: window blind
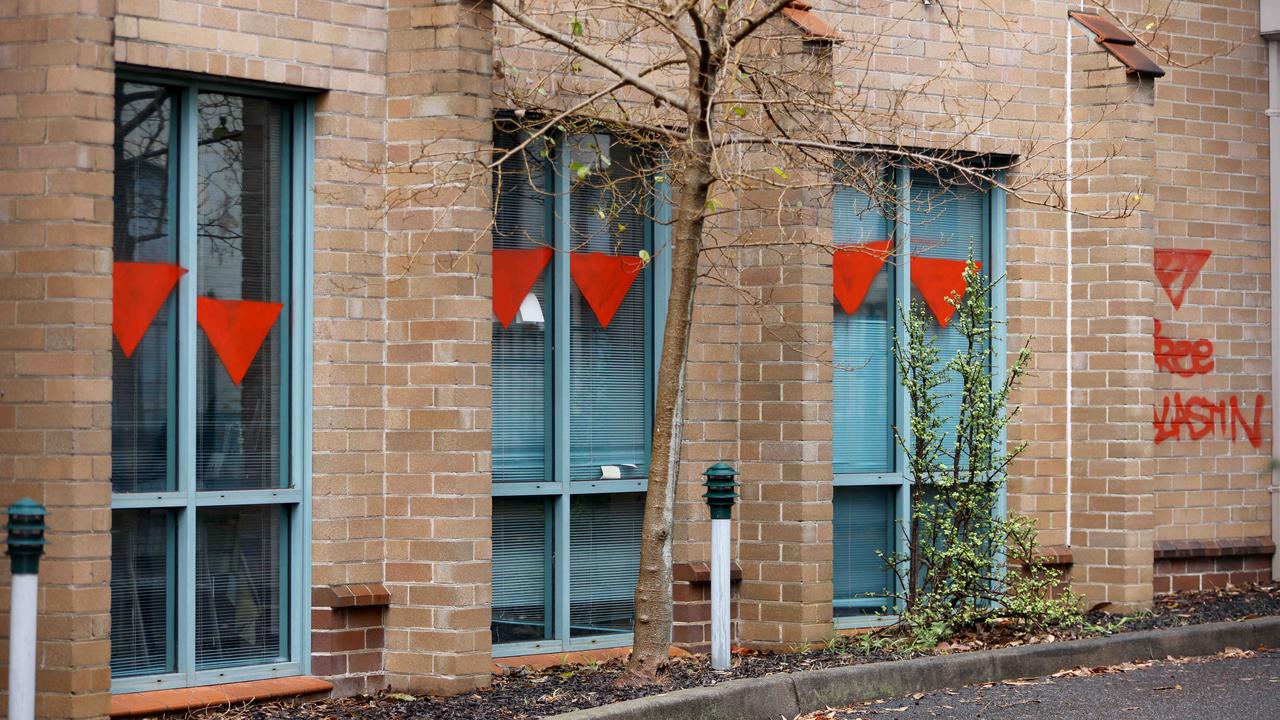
520, 570
521, 412
604, 561
239, 236
608, 393
238, 585
141, 592
862, 525
946, 221
863, 407
141, 394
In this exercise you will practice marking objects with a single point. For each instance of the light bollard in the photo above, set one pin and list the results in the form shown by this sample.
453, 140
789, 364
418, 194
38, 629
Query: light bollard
26, 545
720, 496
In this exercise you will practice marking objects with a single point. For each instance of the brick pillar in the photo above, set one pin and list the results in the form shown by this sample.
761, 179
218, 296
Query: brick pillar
785, 513
56, 133
438, 346
785, 534
1114, 296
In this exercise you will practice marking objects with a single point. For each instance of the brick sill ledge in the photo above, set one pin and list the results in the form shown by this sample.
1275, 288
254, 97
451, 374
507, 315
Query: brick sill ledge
182, 700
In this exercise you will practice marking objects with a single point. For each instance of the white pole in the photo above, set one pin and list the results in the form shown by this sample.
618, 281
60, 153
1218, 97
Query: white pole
720, 594
22, 648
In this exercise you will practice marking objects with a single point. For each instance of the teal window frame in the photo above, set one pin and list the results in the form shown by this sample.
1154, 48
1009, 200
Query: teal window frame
297, 212
558, 488
993, 254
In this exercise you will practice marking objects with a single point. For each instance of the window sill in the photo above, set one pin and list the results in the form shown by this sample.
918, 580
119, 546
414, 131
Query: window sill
162, 702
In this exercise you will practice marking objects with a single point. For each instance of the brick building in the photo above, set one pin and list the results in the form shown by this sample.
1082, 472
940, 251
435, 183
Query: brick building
304, 447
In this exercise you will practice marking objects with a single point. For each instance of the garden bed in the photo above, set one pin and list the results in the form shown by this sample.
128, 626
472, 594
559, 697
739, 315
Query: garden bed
525, 694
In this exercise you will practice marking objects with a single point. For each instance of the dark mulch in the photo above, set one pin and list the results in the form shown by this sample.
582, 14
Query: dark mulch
521, 695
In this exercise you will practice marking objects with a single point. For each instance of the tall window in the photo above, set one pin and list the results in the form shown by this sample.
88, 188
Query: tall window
209, 401
918, 221
572, 387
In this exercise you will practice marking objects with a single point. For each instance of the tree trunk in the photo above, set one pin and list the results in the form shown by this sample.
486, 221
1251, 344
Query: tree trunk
653, 588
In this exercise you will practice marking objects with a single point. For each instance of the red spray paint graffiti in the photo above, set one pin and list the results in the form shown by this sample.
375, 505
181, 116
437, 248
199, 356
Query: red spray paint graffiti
1198, 416
1183, 357
1202, 418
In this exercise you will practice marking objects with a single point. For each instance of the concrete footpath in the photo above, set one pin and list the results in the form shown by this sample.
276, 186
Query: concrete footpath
1243, 687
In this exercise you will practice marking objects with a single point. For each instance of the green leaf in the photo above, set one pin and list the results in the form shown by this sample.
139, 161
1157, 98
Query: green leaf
600, 213
578, 29
622, 227
739, 111
580, 169
645, 257
401, 696
712, 204
779, 172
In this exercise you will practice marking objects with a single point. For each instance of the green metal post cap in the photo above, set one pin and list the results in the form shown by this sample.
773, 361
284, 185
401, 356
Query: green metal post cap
26, 536
720, 493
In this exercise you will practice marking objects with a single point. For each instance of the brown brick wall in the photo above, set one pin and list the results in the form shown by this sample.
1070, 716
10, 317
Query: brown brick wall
56, 133
1212, 194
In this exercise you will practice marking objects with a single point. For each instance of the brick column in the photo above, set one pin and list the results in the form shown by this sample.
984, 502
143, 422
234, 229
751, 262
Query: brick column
56, 133
438, 346
785, 535
1114, 296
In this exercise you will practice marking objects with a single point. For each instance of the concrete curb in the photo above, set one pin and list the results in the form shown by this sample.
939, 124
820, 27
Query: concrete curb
787, 695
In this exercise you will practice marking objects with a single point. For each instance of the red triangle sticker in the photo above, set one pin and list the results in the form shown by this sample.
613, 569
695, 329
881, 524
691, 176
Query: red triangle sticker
854, 268
139, 291
514, 273
236, 329
1170, 265
604, 280
938, 279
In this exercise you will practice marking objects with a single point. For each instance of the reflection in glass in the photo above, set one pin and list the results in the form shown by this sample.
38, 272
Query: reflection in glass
239, 243
238, 585
141, 592
141, 442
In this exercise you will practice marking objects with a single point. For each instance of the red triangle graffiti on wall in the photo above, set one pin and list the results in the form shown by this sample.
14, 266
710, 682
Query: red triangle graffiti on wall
1172, 265
236, 329
938, 279
604, 280
514, 273
853, 269
139, 291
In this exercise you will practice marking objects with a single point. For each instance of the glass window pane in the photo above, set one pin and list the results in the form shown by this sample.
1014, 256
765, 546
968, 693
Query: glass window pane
946, 222
239, 236
862, 525
141, 435
142, 598
604, 560
863, 349
608, 367
521, 414
521, 570
239, 585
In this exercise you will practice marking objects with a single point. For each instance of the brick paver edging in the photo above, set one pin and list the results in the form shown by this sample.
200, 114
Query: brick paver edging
790, 694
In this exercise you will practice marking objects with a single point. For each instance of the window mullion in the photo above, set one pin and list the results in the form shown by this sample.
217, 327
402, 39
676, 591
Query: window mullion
902, 283
561, 307
186, 401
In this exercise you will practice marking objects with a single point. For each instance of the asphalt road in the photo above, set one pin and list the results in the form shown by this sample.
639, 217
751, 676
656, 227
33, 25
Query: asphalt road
1222, 688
